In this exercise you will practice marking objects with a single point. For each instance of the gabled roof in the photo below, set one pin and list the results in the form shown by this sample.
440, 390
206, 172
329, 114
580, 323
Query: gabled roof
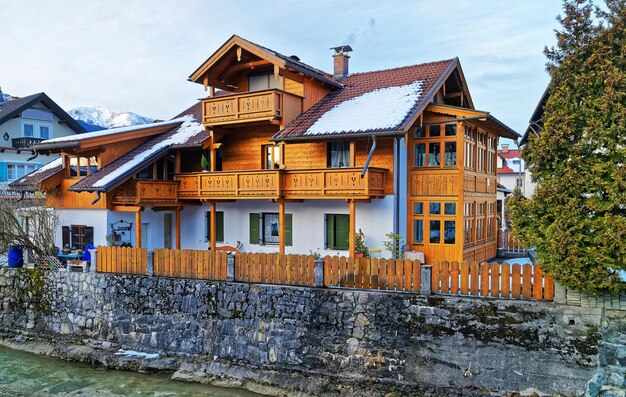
189, 134
401, 93
12, 108
32, 181
113, 134
535, 124
270, 55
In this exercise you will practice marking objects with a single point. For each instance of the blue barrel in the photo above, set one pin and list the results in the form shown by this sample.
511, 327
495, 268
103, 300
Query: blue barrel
16, 256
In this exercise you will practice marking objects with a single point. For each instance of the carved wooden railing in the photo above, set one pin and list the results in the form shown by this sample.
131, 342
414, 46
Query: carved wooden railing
145, 192
247, 107
288, 184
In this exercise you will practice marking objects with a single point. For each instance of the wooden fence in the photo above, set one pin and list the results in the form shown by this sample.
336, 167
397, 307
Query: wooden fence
372, 273
126, 260
198, 264
455, 278
491, 280
275, 269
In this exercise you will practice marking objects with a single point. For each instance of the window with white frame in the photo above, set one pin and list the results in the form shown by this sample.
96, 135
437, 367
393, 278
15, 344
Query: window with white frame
17, 171
36, 130
29, 130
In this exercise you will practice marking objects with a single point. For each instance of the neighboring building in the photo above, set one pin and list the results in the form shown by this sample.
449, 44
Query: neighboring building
27, 121
512, 171
298, 161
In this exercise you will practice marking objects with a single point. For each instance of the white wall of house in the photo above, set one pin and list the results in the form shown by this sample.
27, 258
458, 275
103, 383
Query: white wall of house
309, 227
97, 218
510, 182
153, 227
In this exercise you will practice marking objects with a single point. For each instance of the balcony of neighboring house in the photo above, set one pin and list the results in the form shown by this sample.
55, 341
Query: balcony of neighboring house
146, 192
297, 184
274, 106
25, 142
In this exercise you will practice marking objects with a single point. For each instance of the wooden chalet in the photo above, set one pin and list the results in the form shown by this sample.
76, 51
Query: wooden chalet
298, 160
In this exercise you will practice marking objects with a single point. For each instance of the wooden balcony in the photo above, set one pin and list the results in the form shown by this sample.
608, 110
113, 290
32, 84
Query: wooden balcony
137, 192
267, 105
332, 183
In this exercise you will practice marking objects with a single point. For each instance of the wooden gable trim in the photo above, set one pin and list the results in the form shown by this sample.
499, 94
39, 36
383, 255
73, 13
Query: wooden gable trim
455, 111
466, 92
125, 136
235, 40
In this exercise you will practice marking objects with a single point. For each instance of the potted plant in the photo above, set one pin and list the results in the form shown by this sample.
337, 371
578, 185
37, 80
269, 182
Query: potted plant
360, 248
204, 163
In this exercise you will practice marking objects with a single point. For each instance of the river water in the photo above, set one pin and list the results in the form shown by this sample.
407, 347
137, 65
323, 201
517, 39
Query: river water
24, 374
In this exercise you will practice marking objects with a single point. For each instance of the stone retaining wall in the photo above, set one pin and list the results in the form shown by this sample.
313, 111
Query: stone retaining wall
371, 341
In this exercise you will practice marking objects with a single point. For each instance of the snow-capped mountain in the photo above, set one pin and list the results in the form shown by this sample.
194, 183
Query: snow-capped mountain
99, 117
4, 97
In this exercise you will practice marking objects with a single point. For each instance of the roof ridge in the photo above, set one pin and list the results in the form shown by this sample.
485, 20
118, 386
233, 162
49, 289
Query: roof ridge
401, 67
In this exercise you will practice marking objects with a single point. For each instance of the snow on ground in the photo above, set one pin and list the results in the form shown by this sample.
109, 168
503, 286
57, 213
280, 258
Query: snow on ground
132, 353
379, 109
112, 131
188, 129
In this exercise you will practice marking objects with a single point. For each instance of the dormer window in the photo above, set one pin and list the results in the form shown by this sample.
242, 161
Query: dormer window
264, 81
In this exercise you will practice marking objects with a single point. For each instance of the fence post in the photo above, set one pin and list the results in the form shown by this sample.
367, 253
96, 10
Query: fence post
150, 263
426, 274
230, 268
94, 260
318, 279
560, 294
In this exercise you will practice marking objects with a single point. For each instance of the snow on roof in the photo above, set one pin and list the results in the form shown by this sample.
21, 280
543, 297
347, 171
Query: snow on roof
112, 131
380, 109
188, 129
53, 164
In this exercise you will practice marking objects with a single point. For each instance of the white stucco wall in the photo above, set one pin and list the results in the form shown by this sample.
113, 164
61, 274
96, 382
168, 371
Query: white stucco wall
375, 219
97, 218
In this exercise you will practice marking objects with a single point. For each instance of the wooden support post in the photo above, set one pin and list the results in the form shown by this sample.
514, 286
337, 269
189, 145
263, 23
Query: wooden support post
177, 162
211, 91
352, 154
138, 229
352, 230
281, 227
212, 155
213, 227
178, 228
282, 155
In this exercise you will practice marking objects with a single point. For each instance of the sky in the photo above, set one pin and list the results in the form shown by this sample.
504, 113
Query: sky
136, 55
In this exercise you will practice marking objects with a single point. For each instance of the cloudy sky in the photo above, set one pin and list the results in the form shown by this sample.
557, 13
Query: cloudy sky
137, 54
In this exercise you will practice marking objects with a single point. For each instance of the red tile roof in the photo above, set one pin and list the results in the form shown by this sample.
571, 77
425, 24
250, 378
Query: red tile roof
432, 74
512, 153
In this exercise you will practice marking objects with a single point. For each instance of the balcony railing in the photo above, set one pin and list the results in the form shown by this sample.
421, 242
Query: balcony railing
330, 183
256, 106
137, 192
25, 142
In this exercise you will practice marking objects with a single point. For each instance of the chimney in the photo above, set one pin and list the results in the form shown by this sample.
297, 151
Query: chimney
340, 61
505, 149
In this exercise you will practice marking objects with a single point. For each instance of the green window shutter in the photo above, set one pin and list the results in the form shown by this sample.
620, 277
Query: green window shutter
288, 230
207, 234
3, 171
330, 231
254, 228
342, 231
219, 223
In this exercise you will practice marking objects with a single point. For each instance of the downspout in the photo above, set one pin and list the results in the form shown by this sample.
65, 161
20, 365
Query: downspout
396, 187
34, 157
369, 157
21, 197
97, 199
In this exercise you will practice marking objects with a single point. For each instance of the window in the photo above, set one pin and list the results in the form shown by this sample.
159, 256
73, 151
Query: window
519, 182
337, 231
418, 208
450, 130
29, 130
420, 132
219, 226
265, 81
435, 208
450, 154
449, 232
17, 171
449, 209
264, 228
271, 157
434, 130
77, 236
440, 224
82, 166
339, 154
435, 232
434, 150
44, 131
420, 155
418, 231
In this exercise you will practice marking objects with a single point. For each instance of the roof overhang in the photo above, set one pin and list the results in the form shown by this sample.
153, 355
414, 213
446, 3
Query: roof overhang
340, 136
480, 118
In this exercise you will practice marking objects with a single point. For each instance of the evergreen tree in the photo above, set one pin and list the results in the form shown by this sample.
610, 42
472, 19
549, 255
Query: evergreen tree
577, 218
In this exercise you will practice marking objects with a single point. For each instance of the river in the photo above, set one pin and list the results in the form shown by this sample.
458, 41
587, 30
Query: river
25, 374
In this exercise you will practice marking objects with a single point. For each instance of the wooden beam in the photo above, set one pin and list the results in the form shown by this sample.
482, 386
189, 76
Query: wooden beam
126, 208
352, 154
211, 91
177, 228
138, 229
281, 228
177, 162
213, 226
352, 230
242, 66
